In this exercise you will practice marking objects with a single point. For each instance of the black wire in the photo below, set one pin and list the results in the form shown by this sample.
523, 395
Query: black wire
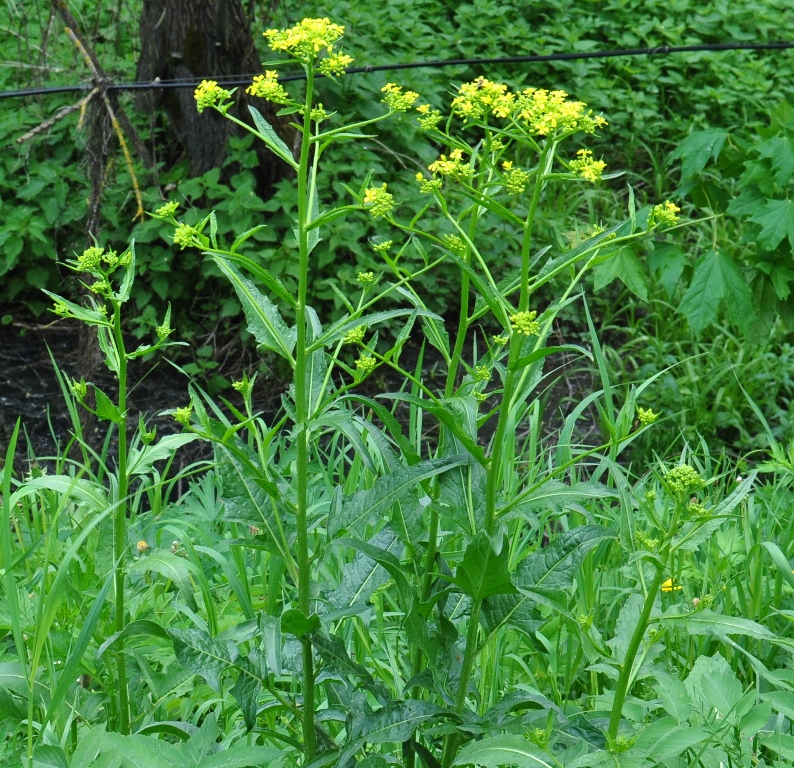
238, 80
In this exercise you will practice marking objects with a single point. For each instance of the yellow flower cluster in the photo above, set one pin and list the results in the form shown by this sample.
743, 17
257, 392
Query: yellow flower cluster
267, 87
514, 179
210, 94
383, 247
683, 479
306, 39
90, 258
454, 167
585, 166
646, 416
666, 214
366, 278
366, 364
184, 235
335, 64
356, 336
428, 186
379, 201
167, 211
430, 118
182, 415
524, 322
480, 98
547, 112
396, 99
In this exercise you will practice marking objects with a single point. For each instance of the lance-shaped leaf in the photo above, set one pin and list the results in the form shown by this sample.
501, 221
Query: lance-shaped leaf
141, 459
707, 622
273, 141
507, 749
555, 566
264, 321
365, 506
483, 571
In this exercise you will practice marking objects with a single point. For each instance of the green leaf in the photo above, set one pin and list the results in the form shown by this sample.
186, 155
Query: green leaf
781, 701
780, 150
665, 740
780, 743
272, 139
667, 262
626, 267
717, 281
697, 149
265, 323
295, 622
48, 756
555, 566
507, 749
203, 655
776, 218
140, 460
713, 684
106, 408
367, 505
673, 695
174, 568
395, 722
484, 570
707, 622
515, 610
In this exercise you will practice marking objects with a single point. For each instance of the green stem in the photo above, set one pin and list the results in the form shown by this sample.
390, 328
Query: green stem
120, 523
631, 653
302, 393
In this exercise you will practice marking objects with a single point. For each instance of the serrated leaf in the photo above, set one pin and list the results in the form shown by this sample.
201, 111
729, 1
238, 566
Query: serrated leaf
507, 749
776, 218
368, 505
265, 323
554, 566
515, 610
667, 262
106, 408
201, 654
395, 722
780, 150
626, 267
673, 695
697, 149
717, 280
49, 756
484, 570
713, 683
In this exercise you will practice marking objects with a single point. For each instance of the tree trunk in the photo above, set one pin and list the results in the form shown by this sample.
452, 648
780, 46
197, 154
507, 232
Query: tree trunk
207, 39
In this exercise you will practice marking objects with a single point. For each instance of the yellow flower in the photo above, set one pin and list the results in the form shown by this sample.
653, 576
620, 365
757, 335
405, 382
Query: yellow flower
168, 210
142, 547
586, 167
210, 94
546, 112
378, 201
480, 98
665, 214
430, 118
267, 87
668, 586
397, 100
646, 416
335, 64
454, 166
306, 39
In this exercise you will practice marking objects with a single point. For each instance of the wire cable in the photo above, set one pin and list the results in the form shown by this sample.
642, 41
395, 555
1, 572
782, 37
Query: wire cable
239, 80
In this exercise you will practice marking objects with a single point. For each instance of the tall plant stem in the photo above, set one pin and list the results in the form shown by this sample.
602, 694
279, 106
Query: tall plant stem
120, 524
497, 458
302, 393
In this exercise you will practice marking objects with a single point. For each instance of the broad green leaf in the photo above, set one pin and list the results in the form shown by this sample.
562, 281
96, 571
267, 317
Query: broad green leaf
395, 722
707, 622
272, 139
295, 622
781, 744
174, 568
140, 460
781, 701
627, 622
48, 756
776, 218
626, 267
554, 566
265, 323
713, 684
368, 505
83, 491
780, 151
665, 739
484, 570
203, 655
673, 695
241, 755
516, 610
697, 149
507, 749
717, 281
667, 261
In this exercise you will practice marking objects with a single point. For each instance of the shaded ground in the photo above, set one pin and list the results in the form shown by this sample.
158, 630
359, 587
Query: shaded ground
29, 389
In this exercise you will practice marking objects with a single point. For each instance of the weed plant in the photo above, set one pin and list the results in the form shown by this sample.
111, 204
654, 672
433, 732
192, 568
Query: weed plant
338, 589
